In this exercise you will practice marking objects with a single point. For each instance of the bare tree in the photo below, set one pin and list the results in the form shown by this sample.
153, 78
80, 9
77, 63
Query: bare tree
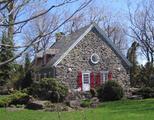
21, 23
41, 25
116, 32
75, 23
142, 28
105, 19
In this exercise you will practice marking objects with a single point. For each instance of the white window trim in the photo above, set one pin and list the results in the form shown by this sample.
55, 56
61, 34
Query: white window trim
103, 73
88, 72
85, 72
73, 45
94, 62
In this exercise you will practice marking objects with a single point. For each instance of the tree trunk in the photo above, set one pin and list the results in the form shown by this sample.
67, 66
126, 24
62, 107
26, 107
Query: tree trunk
11, 19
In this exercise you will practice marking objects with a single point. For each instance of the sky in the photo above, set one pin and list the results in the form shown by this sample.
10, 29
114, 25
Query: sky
118, 8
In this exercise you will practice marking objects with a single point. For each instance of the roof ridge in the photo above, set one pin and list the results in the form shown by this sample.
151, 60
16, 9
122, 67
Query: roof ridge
66, 45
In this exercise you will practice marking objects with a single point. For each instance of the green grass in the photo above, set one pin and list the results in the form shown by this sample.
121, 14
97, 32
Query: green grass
118, 110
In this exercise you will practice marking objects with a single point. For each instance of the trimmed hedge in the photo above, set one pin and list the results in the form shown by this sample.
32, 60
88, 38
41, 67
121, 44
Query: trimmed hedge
8, 99
110, 91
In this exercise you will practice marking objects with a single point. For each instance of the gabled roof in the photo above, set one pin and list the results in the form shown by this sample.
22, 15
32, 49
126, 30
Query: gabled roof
67, 43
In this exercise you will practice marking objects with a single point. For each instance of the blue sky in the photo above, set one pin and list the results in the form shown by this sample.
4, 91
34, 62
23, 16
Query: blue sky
118, 8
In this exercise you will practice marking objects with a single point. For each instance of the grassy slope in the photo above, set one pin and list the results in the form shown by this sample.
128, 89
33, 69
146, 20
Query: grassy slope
119, 110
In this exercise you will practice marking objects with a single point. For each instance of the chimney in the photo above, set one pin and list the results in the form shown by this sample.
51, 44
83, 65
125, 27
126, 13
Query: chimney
59, 35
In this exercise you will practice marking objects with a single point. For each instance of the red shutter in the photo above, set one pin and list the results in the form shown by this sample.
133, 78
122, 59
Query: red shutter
79, 80
92, 82
98, 79
110, 75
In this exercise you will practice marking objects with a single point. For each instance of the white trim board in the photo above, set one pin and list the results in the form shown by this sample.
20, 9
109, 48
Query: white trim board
73, 45
106, 39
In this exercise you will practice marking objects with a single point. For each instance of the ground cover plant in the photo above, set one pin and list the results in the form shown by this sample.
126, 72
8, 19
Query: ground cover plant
12, 98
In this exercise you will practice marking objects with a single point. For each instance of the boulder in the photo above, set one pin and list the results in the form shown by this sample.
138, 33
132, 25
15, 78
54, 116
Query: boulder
21, 101
95, 99
35, 105
74, 103
95, 102
135, 97
57, 107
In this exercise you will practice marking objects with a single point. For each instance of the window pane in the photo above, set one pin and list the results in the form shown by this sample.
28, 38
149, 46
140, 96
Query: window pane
104, 76
86, 78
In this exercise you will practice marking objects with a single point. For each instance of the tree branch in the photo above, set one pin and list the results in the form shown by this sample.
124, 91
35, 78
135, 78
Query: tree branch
35, 41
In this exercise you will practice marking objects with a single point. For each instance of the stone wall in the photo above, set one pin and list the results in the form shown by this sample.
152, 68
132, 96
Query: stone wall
78, 60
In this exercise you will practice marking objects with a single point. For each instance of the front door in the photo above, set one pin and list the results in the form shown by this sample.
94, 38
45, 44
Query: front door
86, 81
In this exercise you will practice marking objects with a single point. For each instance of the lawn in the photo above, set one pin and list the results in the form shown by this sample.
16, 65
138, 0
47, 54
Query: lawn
118, 110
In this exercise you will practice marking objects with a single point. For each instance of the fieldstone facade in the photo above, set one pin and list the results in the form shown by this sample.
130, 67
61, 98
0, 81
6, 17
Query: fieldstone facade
78, 60
71, 62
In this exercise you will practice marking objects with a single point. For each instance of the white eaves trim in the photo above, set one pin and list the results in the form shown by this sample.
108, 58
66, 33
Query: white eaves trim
73, 45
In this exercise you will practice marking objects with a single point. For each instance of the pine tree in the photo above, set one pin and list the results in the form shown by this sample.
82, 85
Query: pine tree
27, 65
27, 80
6, 52
132, 57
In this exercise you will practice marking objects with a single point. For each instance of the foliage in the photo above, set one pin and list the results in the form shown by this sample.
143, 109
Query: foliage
50, 89
19, 74
139, 75
8, 99
145, 76
6, 53
86, 103
93, 92
132, 57
27, 65
24, 76
110, 91
26, 81
146, 92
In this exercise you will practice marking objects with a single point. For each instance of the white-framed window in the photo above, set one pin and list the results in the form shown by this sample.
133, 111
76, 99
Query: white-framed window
86, 81
104, 76
94, 58
86, 77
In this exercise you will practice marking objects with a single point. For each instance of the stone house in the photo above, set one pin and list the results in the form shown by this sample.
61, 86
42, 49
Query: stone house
84, 59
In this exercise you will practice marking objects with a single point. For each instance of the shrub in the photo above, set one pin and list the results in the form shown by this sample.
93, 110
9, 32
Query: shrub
86, 103
110, 91
49, 89
93, 92
146, 92
26, 81
9, 99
